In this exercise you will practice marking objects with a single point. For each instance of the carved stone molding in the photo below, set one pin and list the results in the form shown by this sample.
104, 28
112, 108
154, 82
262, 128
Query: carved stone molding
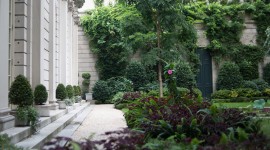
70, 5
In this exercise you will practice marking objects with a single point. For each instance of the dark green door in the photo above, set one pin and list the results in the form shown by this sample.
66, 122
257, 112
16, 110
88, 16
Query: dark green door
204, 78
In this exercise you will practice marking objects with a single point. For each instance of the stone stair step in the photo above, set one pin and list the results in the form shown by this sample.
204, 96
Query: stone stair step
48, 131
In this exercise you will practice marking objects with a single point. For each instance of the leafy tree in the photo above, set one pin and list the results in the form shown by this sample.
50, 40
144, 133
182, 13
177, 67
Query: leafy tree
166, 34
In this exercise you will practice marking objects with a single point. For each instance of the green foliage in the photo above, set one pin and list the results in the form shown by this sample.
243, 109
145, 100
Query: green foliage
184, 75
109, 29
98, 3
118, 97
29, 114
40, 94
119, 84
249, 84
221, 94
79, 90
249, 71
75, 90
229, 76
5, 143
86, 76
20, 92
101, 91
136, 73
261, 84
266, 73
267, 41
61, 92
70, 91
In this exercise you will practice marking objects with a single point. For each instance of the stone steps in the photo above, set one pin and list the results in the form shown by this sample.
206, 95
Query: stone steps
47, 127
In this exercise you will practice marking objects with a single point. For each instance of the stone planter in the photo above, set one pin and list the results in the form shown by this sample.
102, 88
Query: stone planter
43, 110
88, 96
21, 123
62, 104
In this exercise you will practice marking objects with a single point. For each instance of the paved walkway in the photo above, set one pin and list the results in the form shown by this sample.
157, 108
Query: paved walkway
101, 119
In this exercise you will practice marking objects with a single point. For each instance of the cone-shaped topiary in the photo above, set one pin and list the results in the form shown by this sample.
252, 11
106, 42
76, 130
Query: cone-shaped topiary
79, 90
61, 92
20, 92
70, 91
75, 89
40, 94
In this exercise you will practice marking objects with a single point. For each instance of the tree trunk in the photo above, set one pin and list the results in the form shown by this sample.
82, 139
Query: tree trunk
159, 62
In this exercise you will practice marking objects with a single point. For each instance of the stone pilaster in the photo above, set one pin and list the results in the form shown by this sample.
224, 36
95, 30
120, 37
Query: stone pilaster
6, 120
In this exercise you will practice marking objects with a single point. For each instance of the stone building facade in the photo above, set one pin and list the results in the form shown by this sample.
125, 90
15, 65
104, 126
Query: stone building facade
38, 39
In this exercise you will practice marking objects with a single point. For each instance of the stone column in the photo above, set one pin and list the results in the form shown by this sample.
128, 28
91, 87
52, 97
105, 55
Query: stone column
52, 57
63, 41
6, 120
75, 47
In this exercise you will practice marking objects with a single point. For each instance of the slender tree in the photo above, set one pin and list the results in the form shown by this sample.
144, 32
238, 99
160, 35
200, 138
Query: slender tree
166, 31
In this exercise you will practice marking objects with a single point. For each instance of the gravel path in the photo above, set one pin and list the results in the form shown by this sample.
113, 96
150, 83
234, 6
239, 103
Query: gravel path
102, 118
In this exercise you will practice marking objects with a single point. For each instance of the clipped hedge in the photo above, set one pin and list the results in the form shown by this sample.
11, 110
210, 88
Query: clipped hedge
61, 92
20, 92
40, 94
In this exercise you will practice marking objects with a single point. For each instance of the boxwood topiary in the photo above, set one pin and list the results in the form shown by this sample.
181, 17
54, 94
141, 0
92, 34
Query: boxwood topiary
229, 76
40, 94
75, 89
70, 91
266, 73
20, 92
86, 76
101, 91
136, 73
61, 92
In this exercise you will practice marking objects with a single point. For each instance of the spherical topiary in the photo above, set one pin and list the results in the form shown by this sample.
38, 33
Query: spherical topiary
20, 92
136, 72
70, 91
101, 91
40, 94
61, 92
261, 84
266, 73
86, 82
86, 76
184, 75
229, 76
249, 84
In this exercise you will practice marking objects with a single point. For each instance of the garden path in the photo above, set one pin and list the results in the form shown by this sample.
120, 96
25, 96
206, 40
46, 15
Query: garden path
101, 119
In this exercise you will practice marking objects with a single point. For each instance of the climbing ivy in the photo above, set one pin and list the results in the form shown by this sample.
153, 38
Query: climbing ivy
108, 29
224, 26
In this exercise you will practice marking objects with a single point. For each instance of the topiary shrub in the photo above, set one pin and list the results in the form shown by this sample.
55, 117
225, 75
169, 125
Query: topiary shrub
61, 92
136, 73
249, 70
249, 84
266, 73
70, 91
79, 90
85, 84
229, 76
40, 94
101, 91
75, 90
184, 75
261, 84
20, 92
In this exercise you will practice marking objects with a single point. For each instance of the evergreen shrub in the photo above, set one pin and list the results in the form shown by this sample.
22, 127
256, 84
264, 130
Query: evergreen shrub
119, 84
136, 73
184, 76
249, 70
261, 84
229, 76
20, 92
61, 92
75, 90
70, 91
266, 73
40, 94
85, 84
249, 84
101, 91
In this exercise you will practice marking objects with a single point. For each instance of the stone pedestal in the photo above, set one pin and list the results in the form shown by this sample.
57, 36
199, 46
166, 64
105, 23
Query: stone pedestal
62, 104
43, 110
53, 105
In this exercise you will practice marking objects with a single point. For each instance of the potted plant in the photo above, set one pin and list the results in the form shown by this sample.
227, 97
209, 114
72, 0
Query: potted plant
85, 86
77, 94
21, 94
61, 94
40, 97
70, 94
